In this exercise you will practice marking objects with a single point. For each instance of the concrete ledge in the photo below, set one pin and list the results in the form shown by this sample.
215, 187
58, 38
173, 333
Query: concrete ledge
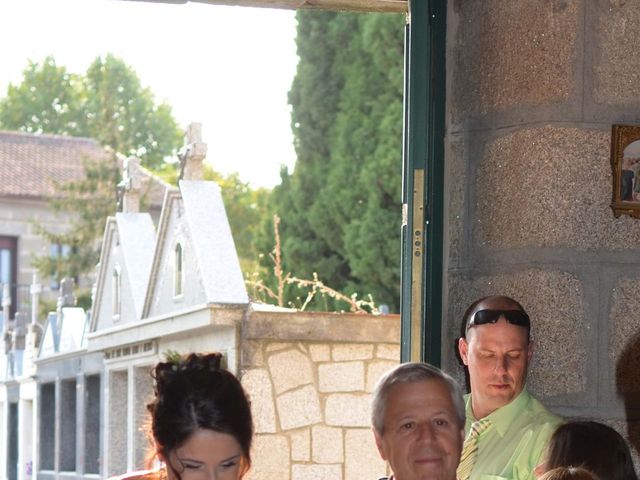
322, 326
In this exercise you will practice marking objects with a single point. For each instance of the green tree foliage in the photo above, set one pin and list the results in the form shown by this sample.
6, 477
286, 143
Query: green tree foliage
340, 208
108, 104
90, 200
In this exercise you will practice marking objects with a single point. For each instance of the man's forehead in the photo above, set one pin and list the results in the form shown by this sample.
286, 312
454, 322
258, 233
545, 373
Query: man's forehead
497, 303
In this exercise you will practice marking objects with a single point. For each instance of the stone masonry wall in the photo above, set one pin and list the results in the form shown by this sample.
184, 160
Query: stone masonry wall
533, 89
309, 378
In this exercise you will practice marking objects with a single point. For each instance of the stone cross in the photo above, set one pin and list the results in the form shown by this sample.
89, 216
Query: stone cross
193, 153
130, 186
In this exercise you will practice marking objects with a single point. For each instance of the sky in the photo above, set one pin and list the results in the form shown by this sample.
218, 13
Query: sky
229, 68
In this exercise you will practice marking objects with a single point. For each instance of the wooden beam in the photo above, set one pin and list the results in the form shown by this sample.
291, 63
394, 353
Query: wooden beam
382, 6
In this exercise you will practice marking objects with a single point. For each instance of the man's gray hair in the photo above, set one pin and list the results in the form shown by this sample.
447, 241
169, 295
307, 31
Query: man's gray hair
409, 373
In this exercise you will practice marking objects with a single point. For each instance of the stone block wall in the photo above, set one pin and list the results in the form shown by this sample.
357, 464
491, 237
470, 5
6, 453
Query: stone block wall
310, 378
534, 87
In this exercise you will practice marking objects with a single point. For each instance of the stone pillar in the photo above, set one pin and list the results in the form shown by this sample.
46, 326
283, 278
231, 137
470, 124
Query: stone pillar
533, 88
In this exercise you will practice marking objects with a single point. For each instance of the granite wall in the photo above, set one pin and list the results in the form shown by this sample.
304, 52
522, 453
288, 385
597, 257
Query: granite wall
533, 89
310, 378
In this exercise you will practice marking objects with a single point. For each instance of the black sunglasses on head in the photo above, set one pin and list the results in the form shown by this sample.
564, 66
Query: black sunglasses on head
515, 317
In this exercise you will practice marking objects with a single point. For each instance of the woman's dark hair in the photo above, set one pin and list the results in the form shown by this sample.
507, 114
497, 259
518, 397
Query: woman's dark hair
593, 446
569, 473
194, 393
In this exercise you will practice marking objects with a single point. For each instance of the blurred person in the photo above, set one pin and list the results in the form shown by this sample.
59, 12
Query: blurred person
569, 473
591, 445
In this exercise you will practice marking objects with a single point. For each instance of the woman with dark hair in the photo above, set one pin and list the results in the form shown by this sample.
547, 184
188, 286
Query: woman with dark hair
591, 445
201, 422
568, 473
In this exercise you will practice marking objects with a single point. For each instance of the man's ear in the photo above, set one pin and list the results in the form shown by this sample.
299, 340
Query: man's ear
463, 348
379, 444
530, 351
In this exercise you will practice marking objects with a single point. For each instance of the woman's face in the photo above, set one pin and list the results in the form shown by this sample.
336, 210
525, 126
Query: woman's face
207, 455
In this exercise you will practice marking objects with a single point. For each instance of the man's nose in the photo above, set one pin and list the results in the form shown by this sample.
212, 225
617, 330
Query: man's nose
501, 364
426, 432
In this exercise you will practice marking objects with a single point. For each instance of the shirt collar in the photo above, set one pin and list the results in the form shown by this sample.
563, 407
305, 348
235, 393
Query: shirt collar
503, 417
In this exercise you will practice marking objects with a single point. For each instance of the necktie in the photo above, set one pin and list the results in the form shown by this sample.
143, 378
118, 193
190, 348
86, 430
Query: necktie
470, 449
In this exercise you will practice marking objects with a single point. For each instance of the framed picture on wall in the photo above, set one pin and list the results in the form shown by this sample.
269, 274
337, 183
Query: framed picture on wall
625, 164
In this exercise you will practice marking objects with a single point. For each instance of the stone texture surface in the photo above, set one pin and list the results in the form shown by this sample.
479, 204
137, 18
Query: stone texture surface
555, 303
348, 410
143, 388
327, 444
616, 57
290, 369
276, 346
456, 187
270, 458
252, 354
301, 445
352, 351
320, 352
341, 377
316, 472
257, 383
388, 351
512, 54
534, 186
299, 408
624, 337
362, 458
375, 370
117, 422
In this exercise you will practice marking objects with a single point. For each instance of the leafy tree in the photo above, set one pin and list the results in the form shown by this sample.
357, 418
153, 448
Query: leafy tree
91, 200
49, 100
340, 208
108, 104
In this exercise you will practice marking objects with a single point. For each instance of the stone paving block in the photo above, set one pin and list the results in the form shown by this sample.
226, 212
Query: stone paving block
352, 351
388, 351
316, 472
375, 370
327, 444
348, 410
289, 369
299, 408
270, 458
535, 186
616, 63
624, 338
301, 445
258, 386
341, 377
362, 457
513, 54
320, 352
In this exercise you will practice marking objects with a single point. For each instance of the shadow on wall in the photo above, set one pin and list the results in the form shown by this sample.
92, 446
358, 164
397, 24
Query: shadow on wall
628, 387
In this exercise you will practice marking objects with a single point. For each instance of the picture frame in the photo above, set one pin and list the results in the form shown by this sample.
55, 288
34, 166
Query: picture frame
625, 166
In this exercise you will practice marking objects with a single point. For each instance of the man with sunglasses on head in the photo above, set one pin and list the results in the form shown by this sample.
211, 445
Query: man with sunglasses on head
506, 430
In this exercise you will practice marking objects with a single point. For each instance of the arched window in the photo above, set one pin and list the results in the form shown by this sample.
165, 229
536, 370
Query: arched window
178, 272
116, 295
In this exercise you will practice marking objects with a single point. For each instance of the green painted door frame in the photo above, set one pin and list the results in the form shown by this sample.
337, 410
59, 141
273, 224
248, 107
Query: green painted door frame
423, 182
